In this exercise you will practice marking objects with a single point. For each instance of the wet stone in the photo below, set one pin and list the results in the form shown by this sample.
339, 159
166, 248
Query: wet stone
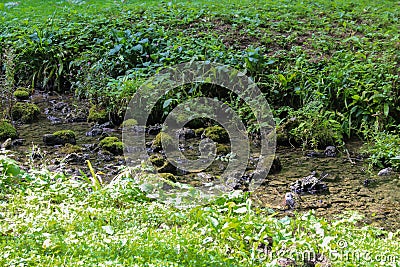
18, 142
54, 140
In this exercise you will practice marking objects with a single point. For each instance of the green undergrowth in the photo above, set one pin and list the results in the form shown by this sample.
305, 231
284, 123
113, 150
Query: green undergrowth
343, 54
49, 219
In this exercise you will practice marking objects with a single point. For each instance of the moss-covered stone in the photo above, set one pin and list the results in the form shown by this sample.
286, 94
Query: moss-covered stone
223, 149
112, 144
217, 134
156, 160
65, 134
7, 130
25, 112
198, 131
70, 149
168, 176
166, 139
21, 94
60, 138
129, 123
97, 114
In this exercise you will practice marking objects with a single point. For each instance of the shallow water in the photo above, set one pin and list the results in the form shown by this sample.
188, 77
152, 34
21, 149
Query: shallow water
379, 202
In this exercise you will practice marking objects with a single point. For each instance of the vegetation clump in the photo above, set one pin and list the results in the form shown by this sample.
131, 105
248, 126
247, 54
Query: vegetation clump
112, 144
383, 150
7, 130
25, 112
217, 134
97, 114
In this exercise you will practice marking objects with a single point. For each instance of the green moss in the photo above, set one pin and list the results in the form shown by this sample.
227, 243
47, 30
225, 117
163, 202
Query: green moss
68, 149
223, 149
21, 94
112, 144
65, 134
168, 176
7, 130
156, 160
166, 139
25, 112
129, 123
217, 134
199, 131
97, 114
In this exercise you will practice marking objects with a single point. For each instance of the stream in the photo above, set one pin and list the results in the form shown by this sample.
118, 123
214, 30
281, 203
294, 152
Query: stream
351, 187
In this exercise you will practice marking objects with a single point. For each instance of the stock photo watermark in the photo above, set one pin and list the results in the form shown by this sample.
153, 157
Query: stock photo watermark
231, 80
342, 253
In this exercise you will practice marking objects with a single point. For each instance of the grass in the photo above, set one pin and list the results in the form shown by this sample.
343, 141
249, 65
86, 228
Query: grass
48, 219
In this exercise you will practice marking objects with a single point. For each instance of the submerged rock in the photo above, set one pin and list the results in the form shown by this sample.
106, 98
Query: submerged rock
330, 151
75, 158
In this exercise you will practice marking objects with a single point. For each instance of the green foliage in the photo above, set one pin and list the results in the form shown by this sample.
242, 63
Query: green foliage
112, 144
97, 114
316, 127
348, 57
7, 130
217, 134
63, 221
383, 149
25, 112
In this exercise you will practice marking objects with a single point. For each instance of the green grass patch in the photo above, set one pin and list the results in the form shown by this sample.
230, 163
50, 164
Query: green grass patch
51, 219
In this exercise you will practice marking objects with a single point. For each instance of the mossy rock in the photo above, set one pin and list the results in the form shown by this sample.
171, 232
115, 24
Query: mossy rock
65, 134
25, 112
60, 138
166, 139
167, 167
168, 176
217, 134
70, 149
129, 123
112, 144
157, 161
7, 130
198, 131
97, 114
223, 149
21, 94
